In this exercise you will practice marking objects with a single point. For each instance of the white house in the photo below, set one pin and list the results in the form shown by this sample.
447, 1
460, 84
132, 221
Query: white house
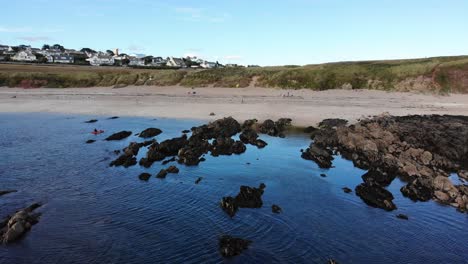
101, 59
135, 61
158, 62
4, 47
208, 65
64, 58
175, 62
24, 55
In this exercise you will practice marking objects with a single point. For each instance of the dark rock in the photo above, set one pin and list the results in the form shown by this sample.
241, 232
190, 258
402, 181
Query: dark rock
212, 114
185, 131
248, 197
114, 117
420, 189
144, 176
119, 135
168, 161
333, 122
7, 192
376, 196
347, 190
249, 123
231, 246
195, 148
172, 169
375, 175
161, 174
150, 132
167, 148
197, 181
248, 136
91, 121
14, 227
321, 156
226, 127
323, 175
134, 147
117, 151
124, 160
260, 143
227, 146
90, 141
402, 216
229, 205
276, 209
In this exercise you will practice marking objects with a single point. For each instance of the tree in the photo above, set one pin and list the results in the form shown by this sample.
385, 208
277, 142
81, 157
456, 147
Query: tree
45, 47
110, 52
148, 59
88, 50
58, 47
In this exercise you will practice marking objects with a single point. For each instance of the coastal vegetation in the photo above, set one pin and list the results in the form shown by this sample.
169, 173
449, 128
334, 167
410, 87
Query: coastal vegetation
434, 75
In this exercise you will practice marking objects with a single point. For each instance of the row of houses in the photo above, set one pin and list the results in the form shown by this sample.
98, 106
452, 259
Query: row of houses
53, 54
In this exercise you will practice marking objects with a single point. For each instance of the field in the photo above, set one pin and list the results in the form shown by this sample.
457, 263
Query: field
433, 75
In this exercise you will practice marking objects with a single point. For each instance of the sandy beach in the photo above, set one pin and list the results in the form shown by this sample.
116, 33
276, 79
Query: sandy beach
305, 107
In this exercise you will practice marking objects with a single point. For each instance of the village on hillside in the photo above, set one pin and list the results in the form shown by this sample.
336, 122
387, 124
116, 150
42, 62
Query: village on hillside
58, 54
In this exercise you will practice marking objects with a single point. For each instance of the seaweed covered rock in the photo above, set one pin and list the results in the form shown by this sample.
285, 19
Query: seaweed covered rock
227, 146
275, 129
144, 176
191, 154
119, 135
232, 246
14, 227
150, 132
167, 148
134, 147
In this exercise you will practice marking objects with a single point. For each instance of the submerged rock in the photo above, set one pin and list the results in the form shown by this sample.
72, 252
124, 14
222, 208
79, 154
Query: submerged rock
150, 132
347, 190
90, 141
144, 176
376, 196
119, 135
197, 181
14, 227
7, 192
114, 117
161, 174
172, 169
232, 246
402, 216
276, 209
91, 121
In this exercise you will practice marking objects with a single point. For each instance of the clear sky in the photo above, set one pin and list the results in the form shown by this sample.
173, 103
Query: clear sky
265, 32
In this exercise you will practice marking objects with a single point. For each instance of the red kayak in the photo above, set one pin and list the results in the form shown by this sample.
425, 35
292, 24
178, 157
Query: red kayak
97, 132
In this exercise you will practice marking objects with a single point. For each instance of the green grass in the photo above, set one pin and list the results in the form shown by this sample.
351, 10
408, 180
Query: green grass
446, 74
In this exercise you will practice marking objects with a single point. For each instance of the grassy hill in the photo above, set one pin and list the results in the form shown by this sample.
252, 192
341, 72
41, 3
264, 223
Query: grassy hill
437, 75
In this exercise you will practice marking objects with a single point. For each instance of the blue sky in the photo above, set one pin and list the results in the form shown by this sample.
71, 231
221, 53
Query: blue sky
245, 31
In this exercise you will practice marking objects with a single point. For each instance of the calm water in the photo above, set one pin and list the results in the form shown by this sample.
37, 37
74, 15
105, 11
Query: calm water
97, 214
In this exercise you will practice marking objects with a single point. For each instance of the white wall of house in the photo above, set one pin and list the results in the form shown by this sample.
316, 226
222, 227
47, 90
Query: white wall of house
24, 56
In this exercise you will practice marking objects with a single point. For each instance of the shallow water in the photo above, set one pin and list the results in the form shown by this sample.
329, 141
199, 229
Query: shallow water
97, 214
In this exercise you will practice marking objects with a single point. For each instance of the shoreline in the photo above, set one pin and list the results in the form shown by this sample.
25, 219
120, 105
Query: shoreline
304, 107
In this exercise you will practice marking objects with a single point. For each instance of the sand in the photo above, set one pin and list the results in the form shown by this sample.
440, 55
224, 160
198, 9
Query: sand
305, 107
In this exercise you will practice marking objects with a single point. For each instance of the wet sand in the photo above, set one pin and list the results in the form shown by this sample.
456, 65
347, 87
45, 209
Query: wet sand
305, 107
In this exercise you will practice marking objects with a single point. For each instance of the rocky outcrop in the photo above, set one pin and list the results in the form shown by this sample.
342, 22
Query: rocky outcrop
91, 121
248, 197
232, 246
119, 135
419, 149
90, 141
150, 132
275, 129
14, 227
159, 151
196, 147
126, 160
226, 127
227, 146
249, 136
333, 123
134, 147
